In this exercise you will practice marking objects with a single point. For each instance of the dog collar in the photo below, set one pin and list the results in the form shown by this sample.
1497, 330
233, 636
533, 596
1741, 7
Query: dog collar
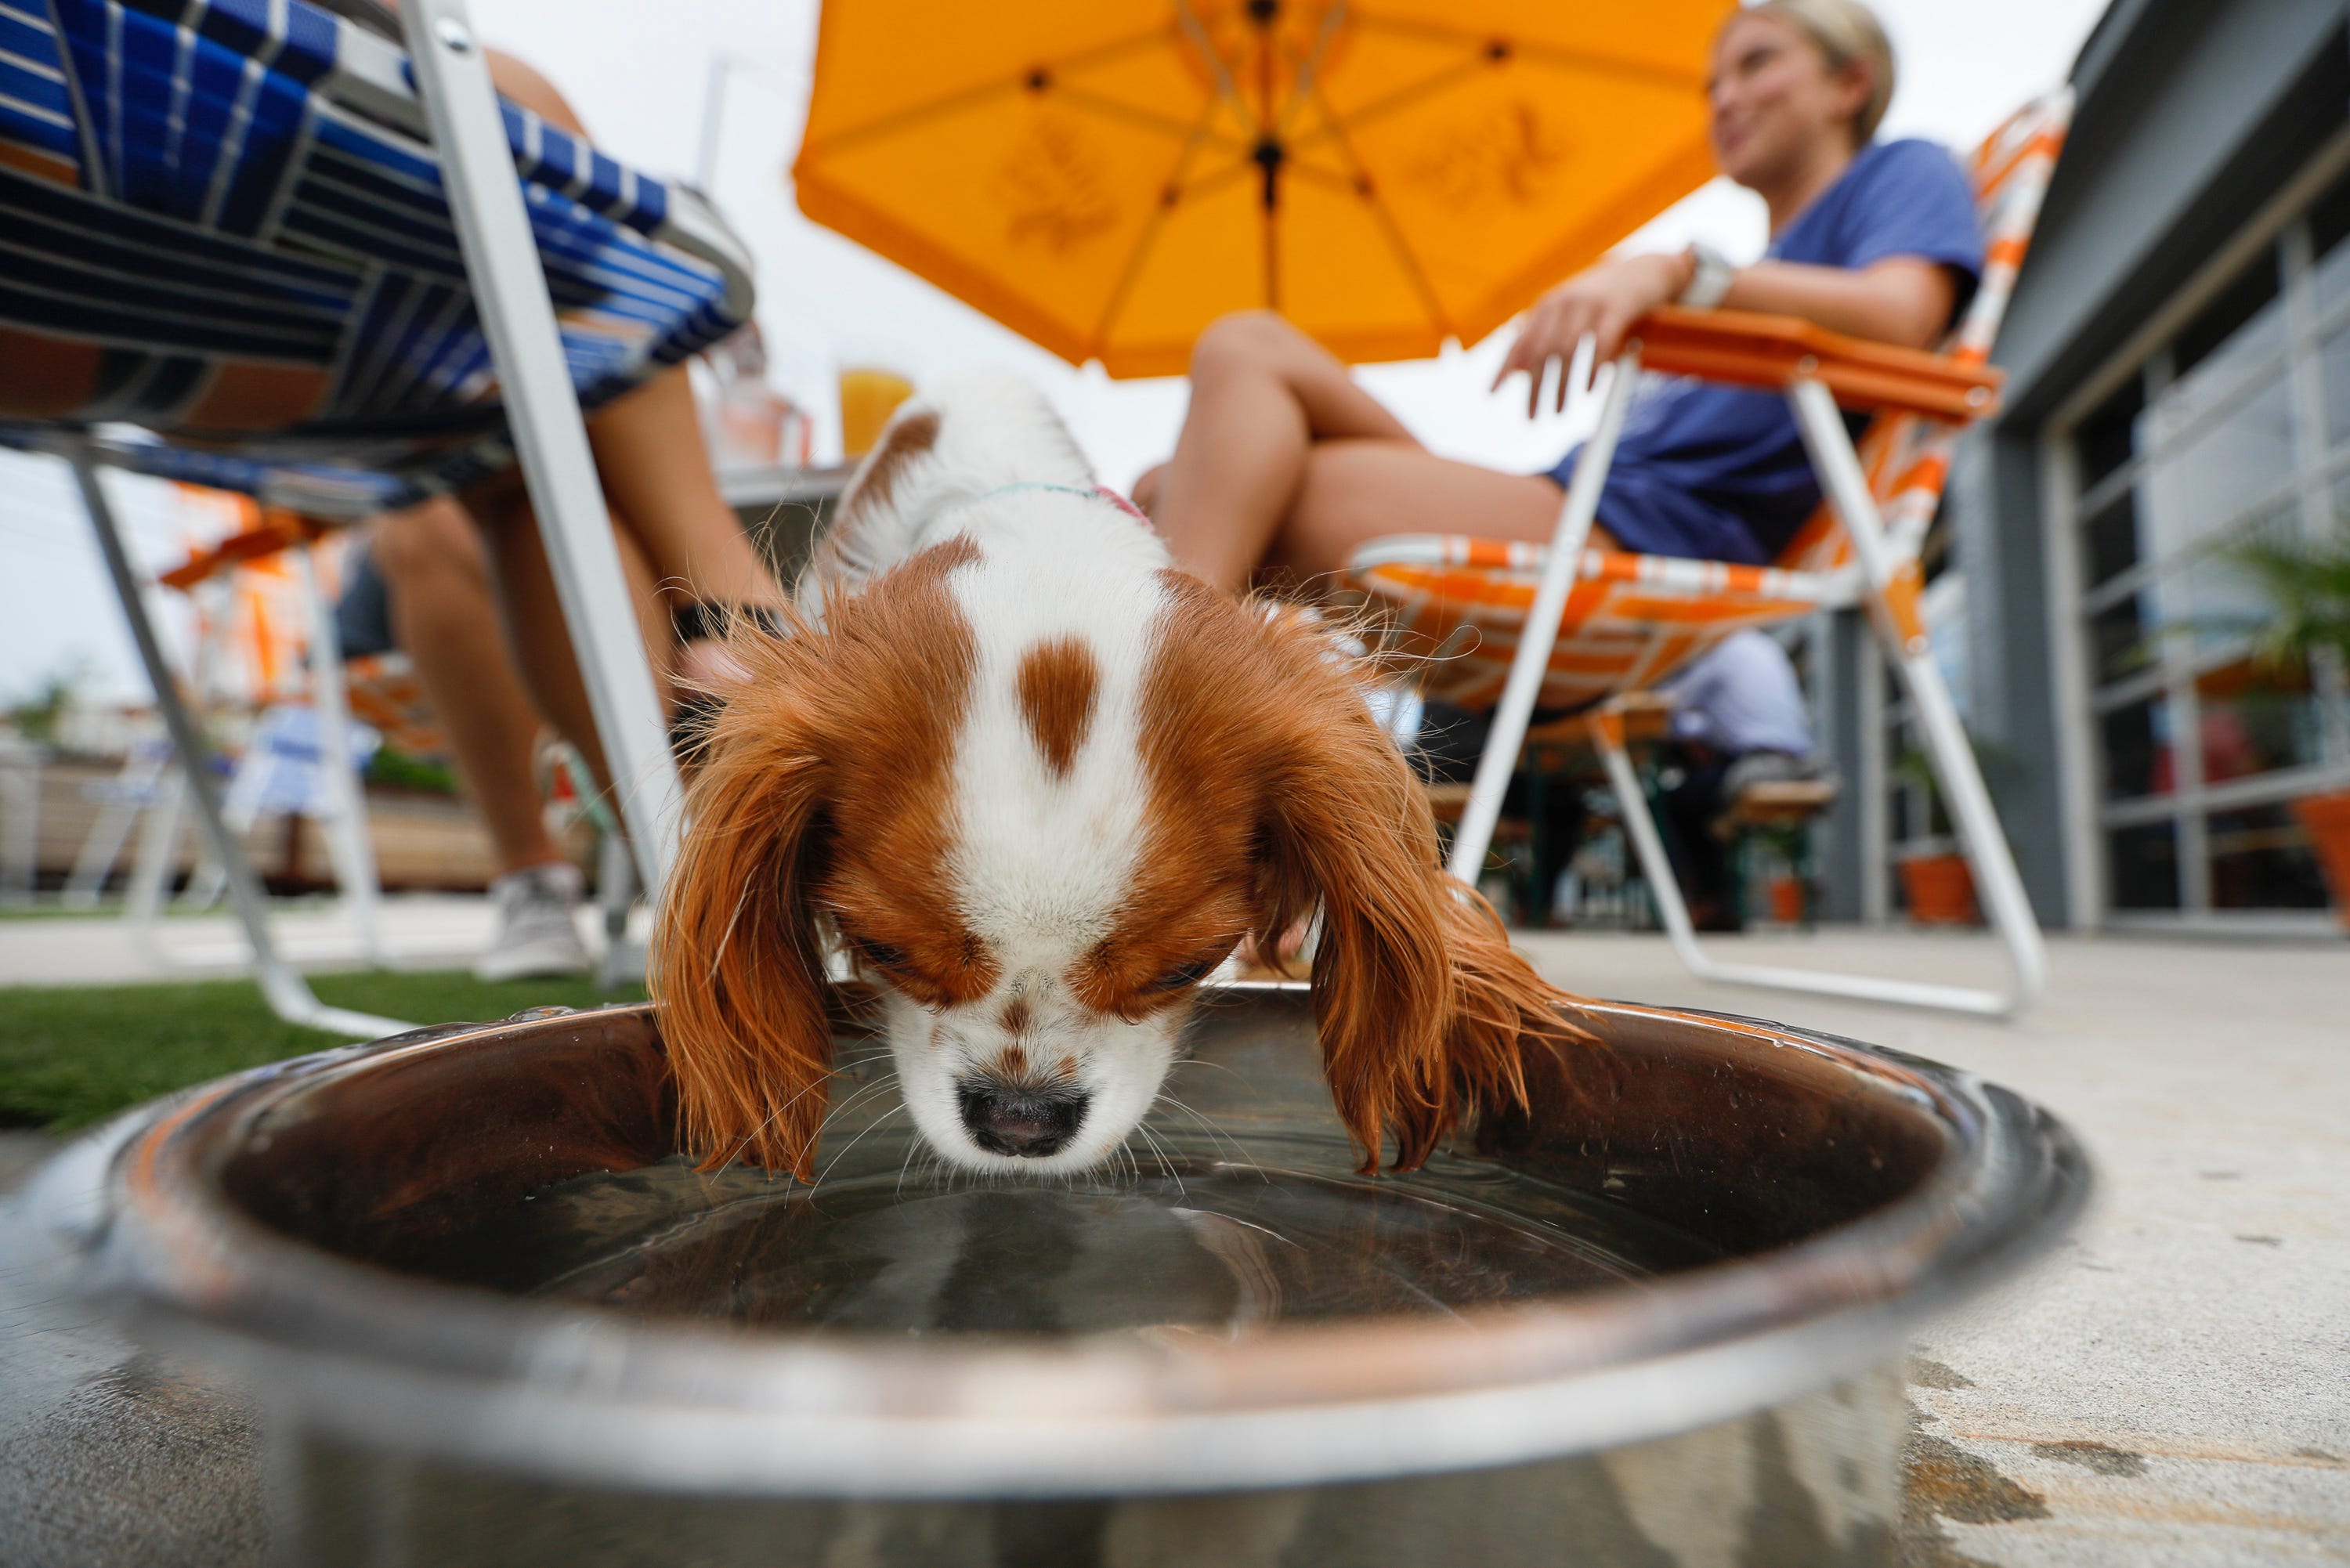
1099, 492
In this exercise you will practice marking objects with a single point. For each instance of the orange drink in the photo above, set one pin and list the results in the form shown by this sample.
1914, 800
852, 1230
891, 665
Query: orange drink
868, 396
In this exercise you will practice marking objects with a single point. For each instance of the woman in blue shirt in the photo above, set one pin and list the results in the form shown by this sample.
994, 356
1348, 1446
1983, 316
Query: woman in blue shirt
1284, 465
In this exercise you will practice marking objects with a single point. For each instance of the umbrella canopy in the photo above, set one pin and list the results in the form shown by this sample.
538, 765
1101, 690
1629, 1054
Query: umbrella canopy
1107, 176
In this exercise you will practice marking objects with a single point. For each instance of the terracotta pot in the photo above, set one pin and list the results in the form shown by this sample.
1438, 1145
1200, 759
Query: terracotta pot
2326, 819
1942, 890
1786, 900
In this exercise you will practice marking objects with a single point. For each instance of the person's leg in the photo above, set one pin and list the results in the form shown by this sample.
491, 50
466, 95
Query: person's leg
1357, 491
1691, 808
1262, 394
444, 616
537, 635
662, 490
1285, 464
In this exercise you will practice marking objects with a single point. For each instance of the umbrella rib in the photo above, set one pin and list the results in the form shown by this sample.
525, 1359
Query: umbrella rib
1368, 190
914, 114
1308, 83
1553, 53
1110, 109
1226, 89
1149, 235
1216, 179
1402, 98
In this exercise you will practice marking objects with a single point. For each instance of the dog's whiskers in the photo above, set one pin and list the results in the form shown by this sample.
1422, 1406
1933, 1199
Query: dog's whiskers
836, 1159
1216, 1134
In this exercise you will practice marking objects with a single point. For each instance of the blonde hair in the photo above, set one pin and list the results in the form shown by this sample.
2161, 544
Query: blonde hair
1844, 31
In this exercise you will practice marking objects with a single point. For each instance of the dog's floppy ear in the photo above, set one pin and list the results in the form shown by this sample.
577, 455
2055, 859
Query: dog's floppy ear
1423, 1009
737, 963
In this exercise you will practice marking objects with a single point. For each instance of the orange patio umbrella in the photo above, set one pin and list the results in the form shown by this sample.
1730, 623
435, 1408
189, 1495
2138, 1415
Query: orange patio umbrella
1107, 176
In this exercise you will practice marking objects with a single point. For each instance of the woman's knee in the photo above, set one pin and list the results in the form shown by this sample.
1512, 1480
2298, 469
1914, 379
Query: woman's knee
520, 83
1147, 485
1244, 340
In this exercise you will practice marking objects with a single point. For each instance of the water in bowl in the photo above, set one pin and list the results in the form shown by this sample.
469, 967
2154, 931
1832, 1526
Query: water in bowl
1213, 1240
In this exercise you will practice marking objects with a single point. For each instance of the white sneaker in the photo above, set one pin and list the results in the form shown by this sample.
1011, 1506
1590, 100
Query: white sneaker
539, 934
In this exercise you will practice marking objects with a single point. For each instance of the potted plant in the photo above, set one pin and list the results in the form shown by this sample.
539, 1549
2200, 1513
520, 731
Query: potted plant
2306, 585
1937, 883
1783, 846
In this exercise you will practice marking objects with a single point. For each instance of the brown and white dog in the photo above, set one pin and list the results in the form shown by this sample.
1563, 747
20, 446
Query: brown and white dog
1039, 783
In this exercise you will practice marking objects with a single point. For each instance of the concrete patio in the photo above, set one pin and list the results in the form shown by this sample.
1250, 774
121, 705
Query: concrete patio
2169, 1389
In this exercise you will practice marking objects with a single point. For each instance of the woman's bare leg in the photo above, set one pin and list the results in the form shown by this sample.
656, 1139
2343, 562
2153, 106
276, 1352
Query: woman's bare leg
1357, 491
1286, 466
444, 615
1263, 393
657, 475
536, 632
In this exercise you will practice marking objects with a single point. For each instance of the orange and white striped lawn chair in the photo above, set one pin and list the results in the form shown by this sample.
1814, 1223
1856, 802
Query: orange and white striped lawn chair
1520, 630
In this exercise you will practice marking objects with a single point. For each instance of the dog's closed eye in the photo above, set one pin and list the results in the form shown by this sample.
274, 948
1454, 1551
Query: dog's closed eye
1190, 973
876, 955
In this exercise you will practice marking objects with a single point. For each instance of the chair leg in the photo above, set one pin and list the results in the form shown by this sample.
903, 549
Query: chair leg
1947, 750
1607, 736
348, 844
1474, 837
623, 962
159, 845
288, 994
20, 836
502, 262
116, 818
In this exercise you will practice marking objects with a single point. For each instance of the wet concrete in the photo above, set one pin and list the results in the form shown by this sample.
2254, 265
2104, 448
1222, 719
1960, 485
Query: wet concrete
108, 1455
2174, 1387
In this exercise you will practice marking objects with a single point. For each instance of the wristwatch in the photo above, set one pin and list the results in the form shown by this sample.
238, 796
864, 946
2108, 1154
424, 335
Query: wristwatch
1709, 279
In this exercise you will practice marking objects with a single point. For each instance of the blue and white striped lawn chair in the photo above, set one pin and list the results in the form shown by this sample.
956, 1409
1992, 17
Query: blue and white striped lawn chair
259, 245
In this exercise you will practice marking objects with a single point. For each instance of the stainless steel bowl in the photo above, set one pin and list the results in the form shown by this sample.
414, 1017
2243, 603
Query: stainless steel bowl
300, 1223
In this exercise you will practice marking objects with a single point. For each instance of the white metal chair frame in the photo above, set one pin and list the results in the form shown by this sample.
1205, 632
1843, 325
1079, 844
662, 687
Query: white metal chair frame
460, 109
1846, 488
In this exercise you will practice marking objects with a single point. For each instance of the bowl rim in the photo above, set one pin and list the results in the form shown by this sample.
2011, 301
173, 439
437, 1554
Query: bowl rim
566, 1391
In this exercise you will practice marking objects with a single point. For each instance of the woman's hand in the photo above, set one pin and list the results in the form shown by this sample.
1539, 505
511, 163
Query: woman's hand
1603, 302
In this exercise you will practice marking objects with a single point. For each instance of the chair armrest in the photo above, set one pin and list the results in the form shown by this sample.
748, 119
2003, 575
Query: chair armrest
1748, 350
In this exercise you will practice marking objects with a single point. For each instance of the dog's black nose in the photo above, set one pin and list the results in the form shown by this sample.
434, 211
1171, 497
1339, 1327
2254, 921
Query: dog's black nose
1006, 1118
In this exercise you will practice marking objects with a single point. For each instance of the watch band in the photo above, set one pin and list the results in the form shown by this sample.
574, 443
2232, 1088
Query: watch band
1709, 281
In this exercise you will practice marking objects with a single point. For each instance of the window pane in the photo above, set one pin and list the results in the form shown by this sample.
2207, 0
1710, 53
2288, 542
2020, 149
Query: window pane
2333, 368
2211, 603
2106, 439
2256, 718
2329, 225
2111, 537
2117, 640
2240, 323
2210, 481
2142, 867
2137, 750
2260, 859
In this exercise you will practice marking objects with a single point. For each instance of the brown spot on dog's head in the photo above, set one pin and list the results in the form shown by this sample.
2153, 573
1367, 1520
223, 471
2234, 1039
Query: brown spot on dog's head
1016, 1016
1057, 681
1012, 1065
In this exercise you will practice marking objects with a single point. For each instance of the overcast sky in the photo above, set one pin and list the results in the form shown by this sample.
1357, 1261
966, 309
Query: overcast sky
639, 73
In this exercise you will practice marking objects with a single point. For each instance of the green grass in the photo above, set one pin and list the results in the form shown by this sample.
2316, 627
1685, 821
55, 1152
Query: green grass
70, 1055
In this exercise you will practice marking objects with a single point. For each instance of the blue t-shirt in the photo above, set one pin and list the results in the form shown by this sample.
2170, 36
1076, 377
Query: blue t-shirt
1718, 472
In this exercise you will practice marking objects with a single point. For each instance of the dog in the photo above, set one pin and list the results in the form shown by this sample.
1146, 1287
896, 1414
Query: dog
1039, 785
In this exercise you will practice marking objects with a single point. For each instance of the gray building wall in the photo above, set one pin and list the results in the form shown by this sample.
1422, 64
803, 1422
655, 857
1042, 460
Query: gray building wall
2191, 115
